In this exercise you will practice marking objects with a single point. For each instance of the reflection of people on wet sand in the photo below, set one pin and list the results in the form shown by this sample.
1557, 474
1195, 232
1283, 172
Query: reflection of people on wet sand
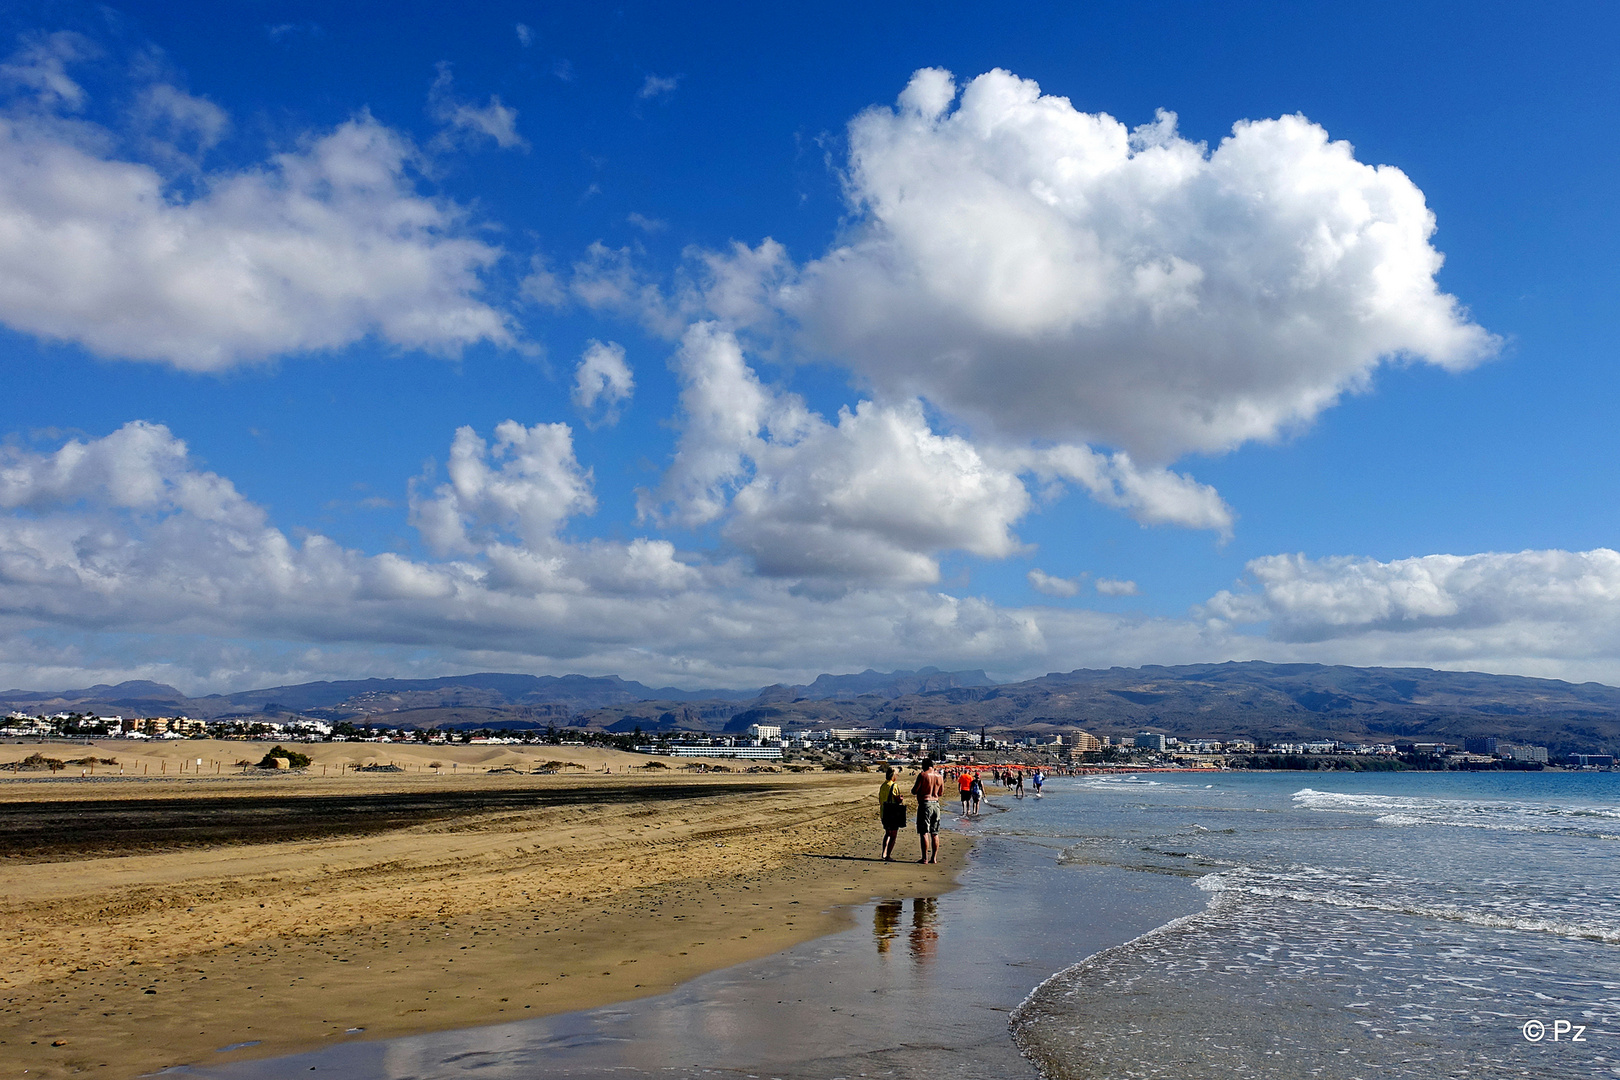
929, 788
924, 938
891, 811
886, 922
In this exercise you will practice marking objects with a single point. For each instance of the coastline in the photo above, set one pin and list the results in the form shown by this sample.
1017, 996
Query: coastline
921, 985
132, 963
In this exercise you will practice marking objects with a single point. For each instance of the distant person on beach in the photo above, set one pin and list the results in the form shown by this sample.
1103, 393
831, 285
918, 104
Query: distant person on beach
1038, 781
1018, 784
964, 787
975, 793
929, 789
891, 811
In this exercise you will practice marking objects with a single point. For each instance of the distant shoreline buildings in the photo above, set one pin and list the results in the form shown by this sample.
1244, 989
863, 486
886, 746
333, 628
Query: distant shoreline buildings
774, 742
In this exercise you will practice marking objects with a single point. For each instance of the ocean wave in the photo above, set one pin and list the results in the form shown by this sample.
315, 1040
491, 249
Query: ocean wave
1583, 820
1034, 1005
1389, 898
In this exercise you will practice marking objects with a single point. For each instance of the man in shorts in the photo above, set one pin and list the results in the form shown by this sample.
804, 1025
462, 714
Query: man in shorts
964, 784
929, 789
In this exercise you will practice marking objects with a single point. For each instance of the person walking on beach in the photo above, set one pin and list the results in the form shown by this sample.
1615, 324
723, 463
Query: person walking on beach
929, 789
891, 811
975, 793
1038, 781
964, 787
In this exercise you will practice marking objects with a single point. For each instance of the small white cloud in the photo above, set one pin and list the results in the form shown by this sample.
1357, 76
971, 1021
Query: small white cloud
282, 31
1117, 587
525, 35
646, 224
176, 128
563, 69
543, 286
607, 279
1043, 582
1153, 496
528, 484
39, 68
603, 381
658, 86
463, 120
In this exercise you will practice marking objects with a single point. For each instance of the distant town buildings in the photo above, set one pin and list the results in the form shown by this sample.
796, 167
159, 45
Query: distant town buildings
854, 746
763, 753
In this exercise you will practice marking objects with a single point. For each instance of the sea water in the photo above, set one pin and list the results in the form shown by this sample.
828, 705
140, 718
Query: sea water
1358, 924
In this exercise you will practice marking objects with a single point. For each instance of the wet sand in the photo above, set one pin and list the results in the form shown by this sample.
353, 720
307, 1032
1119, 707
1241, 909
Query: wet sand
920, 988
401, 903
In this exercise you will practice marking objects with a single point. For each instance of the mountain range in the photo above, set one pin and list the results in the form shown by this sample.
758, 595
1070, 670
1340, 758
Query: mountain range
1254, 698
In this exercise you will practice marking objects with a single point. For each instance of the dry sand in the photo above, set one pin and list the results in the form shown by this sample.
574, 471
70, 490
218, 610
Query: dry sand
177, 758
487, 897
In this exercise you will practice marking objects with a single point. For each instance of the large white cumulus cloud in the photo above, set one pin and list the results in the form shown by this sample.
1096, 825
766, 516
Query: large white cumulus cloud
314, 249
1050, 274
872, 498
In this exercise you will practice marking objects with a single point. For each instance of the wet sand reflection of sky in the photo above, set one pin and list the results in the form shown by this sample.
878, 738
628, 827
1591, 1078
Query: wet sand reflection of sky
923, 938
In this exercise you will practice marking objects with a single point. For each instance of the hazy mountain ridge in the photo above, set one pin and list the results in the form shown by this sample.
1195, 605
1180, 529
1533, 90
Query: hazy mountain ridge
1253, 698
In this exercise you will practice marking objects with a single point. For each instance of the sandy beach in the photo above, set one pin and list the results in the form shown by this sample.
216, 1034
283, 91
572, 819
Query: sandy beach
286, 912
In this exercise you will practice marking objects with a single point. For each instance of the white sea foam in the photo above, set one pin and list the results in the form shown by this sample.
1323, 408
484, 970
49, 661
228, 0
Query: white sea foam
1501, 815
1389, 899
1406, 934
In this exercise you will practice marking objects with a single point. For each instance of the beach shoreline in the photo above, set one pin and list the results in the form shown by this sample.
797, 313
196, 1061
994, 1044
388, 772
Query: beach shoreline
604, 889
919, 986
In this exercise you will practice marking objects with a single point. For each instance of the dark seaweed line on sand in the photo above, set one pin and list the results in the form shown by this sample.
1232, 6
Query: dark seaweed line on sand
49, 831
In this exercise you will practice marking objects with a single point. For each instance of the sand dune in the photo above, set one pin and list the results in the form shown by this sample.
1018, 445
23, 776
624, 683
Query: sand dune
178, 757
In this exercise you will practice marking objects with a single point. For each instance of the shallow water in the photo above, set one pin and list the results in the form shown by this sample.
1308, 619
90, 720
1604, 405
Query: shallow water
1407, 925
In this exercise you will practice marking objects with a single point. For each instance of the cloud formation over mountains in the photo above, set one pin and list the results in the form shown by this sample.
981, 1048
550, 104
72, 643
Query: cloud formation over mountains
125, 535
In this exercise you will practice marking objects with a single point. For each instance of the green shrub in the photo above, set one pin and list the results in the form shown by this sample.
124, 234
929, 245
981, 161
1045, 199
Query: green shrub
294, 758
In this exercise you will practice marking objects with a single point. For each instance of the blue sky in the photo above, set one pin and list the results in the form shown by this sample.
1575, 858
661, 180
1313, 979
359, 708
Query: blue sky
729, 345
